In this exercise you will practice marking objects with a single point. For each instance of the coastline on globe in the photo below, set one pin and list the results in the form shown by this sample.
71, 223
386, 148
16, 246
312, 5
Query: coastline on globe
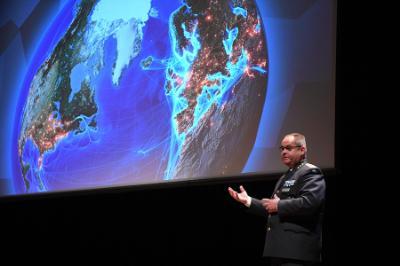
143, 91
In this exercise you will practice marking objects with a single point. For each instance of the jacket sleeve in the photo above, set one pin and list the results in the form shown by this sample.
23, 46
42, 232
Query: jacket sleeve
309, 198
257, 208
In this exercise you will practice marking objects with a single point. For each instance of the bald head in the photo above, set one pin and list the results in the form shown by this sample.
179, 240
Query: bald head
298, 139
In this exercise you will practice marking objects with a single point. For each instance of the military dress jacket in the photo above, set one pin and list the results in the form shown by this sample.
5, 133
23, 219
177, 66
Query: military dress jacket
294, 232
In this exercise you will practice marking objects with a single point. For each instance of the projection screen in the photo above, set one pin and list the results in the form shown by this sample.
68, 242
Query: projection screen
105, 93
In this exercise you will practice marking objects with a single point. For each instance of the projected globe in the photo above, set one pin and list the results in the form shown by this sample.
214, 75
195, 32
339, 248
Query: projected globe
139, 92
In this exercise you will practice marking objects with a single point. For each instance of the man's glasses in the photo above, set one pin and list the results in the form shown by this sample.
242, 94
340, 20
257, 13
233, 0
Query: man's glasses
288, 148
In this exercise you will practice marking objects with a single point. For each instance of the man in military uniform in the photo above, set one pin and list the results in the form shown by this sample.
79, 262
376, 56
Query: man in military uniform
295, 209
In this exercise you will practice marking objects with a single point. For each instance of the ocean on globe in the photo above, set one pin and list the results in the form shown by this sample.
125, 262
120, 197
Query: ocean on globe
134, 92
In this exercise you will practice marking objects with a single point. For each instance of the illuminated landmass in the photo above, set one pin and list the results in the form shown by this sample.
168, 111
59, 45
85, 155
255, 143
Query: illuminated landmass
61, 97
218, 46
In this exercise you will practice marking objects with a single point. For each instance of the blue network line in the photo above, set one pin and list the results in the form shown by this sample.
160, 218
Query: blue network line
178, 74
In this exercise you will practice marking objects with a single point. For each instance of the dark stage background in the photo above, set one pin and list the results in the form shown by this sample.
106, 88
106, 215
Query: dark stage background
191, 223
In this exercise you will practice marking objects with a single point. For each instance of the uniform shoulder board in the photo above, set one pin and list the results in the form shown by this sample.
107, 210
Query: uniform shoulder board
309, 165
313, 169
